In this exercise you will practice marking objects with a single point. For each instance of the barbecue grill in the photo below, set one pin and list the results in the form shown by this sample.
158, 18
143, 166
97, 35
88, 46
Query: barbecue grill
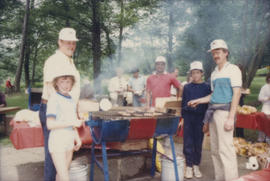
116, 126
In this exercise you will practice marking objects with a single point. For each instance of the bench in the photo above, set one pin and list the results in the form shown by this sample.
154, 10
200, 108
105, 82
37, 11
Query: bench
5, 110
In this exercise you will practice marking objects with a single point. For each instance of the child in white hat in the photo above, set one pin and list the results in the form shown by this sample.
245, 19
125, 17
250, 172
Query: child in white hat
193, 119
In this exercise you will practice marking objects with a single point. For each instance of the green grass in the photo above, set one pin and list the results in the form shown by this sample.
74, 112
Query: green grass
19, 99
263, 71
250, 135
4, 140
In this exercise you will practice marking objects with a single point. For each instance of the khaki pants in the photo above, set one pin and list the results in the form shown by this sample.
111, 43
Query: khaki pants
222, 148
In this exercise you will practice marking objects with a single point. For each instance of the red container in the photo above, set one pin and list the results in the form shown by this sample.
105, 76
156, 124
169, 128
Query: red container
142, 128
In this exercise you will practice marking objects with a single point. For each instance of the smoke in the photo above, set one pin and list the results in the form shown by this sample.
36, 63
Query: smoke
145, 41
193, 27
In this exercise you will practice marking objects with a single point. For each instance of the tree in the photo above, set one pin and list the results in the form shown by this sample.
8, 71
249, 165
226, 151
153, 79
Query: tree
255, 37
22, 48
170, 34
96, 32
10, 15
244, 25
130, 14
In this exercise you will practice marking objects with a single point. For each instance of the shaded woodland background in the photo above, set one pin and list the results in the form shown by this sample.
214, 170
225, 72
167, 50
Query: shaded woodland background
130, 34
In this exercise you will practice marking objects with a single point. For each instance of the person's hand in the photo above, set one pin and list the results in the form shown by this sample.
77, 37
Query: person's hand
147, 107
78, 143
229, 124
193, 103
77, 123
206, 127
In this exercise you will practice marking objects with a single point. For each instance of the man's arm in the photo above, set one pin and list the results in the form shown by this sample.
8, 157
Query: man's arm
148, 98
229, 124
179, 92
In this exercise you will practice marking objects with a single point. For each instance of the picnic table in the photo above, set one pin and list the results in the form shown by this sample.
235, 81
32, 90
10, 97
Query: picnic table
5, 110
255, 121
23, 136
261, 175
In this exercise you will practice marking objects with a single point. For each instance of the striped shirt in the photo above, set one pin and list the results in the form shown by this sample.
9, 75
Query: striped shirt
223, 81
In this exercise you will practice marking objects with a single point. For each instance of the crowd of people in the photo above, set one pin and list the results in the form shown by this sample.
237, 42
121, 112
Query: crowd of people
144, 90
205, 107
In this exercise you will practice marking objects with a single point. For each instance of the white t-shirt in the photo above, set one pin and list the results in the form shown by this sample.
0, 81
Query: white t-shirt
264, 98
63, 108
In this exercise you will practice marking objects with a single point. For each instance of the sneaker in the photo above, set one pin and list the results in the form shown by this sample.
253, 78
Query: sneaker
189, 172
197, 172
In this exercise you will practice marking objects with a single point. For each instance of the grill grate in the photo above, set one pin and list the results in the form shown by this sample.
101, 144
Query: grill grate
121, 113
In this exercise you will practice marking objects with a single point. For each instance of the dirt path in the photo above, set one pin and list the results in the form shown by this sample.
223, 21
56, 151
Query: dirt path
27, 164
21, 165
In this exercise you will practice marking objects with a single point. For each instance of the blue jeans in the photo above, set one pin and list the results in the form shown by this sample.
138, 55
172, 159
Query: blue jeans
193, 138
49, 169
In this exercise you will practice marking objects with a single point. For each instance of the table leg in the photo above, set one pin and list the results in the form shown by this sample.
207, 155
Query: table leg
154, 153
92, 162
105, 162
174, 159
5, 124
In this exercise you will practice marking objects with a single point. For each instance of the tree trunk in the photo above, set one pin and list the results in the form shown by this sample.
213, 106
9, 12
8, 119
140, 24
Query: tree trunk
121, 31
244, 52
257, 43
34, 66
96, 46
209, 65
22, 48
66, 7
26, 63
170, 36
109, 50
257, 58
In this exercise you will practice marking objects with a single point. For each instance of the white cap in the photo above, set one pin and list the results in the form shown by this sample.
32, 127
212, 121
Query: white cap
196, 65
68, 34
218, 44
160, 59
63, 71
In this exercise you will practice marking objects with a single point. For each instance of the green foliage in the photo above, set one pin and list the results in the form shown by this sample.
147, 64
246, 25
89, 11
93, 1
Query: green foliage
145, 22
255, 87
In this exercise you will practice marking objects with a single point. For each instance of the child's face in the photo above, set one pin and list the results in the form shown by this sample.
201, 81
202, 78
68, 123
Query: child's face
196, 76
64, 84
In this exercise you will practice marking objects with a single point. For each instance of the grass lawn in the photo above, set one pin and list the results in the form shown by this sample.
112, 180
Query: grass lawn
19, 99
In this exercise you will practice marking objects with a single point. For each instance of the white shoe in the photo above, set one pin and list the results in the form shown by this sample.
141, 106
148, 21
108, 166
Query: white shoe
197, 172
189, 172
